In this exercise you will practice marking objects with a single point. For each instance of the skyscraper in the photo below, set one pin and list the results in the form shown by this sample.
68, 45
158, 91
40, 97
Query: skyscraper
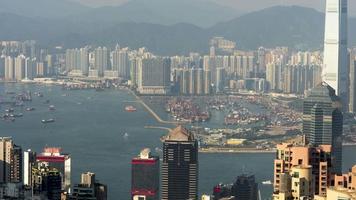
145, 176
335, 71
29, 159
322, 121
352, 98
179, 171
54, 158
245, 188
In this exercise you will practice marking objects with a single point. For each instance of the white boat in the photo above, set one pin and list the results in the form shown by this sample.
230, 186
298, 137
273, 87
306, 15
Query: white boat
267, 182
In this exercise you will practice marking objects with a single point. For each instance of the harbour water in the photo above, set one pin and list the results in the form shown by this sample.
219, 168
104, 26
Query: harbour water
91, 126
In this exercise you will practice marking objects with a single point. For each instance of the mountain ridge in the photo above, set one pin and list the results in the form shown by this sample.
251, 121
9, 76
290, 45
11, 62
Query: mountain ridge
295, 27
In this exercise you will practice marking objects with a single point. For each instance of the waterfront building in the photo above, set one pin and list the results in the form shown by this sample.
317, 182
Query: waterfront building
121, 63
72, 61
179, 173
154, 76
84, 61
102, 59
2, 66
54, 158
41, 69
20, 67
9, 68
292, 158
335, 69
11, 161
323, 121
134, 65
145, 176
30, 68
207, 82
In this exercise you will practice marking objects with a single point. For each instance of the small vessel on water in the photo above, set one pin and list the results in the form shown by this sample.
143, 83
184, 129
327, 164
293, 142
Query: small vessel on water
46, 121
126, 135
10, 110
267, 182
130, 109
30, 109
51, 108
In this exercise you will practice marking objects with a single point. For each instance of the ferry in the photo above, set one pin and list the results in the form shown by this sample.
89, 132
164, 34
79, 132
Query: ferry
130, 109
46, 121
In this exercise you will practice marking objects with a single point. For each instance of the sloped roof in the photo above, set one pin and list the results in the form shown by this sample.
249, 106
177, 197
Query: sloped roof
180, 134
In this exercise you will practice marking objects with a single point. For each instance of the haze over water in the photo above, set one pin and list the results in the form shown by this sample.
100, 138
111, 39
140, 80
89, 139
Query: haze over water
91, 126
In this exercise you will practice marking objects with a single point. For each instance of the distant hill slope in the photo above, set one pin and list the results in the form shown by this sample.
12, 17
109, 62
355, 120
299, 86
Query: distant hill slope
202, 13
295, 27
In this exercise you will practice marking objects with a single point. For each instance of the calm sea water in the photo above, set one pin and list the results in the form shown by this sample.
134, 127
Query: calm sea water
91, 126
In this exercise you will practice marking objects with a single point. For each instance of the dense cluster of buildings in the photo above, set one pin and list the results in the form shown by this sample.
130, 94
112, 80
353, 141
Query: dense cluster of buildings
47, 175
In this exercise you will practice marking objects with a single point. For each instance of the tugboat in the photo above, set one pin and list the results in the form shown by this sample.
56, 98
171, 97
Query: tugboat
130, 109
46, 121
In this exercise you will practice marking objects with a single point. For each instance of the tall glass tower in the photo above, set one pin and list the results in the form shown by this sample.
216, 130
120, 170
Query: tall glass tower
179, 172
322, 122
335, 70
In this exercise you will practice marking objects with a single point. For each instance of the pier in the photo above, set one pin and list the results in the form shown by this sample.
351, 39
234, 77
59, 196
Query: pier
153, 113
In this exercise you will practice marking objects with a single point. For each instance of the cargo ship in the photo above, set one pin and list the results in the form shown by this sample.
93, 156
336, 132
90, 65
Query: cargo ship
130, 109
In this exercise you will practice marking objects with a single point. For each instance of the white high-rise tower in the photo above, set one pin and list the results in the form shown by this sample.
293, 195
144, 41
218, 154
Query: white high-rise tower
335, 71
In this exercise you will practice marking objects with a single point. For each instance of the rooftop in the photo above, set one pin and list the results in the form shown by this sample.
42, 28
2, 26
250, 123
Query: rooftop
180, 134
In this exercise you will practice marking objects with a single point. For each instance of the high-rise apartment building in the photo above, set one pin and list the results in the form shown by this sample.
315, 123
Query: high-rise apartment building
121, 63
11, 161
145, 176
9, 68
154, 76
323, 121
292, 158
102, 59
335, 71
179, 173
20, 67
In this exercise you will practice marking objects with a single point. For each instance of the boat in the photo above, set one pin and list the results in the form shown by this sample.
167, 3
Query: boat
10, 110
30, 109
52, 107
126, 135
130, 109
267, 182
46, 121
18, 115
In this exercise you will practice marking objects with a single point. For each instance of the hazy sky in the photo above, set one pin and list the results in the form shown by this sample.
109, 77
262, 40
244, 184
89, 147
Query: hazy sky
243, 5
